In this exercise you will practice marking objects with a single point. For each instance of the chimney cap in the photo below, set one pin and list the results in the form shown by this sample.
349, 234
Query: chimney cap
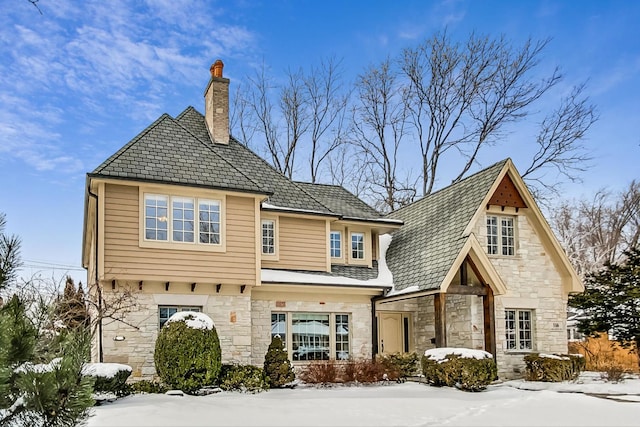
216, 68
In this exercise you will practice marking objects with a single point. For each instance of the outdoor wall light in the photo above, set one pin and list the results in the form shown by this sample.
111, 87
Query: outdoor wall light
118, 338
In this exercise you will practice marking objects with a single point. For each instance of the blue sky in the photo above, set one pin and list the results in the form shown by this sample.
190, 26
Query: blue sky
83, 78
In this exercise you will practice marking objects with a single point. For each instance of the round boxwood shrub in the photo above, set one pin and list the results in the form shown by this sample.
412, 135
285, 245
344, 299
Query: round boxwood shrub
187, 354
277, 367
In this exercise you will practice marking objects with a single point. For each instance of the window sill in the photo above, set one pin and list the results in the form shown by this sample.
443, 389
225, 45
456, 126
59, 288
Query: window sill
519, 352
182, 246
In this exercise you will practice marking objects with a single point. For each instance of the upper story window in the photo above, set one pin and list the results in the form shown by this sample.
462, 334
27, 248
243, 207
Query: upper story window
335, 244
268, 236
189, 220
357, 245
500, 235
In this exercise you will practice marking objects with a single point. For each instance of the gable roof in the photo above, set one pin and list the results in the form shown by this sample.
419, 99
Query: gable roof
340, 200
424, 249
166, 152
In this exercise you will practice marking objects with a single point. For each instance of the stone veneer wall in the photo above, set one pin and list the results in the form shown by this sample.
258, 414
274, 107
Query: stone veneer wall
465, 321
230, 313
533, 282
360, 323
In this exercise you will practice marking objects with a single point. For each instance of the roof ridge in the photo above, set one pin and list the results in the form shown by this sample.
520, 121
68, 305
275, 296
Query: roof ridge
431, 195
208, 146
130, 144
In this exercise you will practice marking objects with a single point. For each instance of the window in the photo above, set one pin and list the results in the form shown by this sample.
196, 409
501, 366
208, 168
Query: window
268, 237
166, 311
155, 217
519, 332
500, 235
313, 336
179, 223
182, 210
335, 244
279, 327
357, 245
209, 220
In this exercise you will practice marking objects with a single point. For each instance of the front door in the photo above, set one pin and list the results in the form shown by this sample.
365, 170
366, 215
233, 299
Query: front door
391, 333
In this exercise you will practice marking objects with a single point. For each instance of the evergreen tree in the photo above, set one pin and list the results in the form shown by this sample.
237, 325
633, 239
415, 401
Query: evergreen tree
71, 310
50, 394
611, 301
277, 366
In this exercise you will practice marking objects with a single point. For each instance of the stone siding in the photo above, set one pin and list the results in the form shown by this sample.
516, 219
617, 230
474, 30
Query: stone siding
533, 282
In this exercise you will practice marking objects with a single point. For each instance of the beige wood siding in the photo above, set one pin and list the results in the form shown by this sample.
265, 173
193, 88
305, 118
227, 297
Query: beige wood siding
124, 259
302, 245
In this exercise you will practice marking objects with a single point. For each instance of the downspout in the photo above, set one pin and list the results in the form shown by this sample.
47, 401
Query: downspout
374, 325
98, 287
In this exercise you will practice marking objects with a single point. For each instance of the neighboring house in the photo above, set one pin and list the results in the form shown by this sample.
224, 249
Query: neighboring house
187, 218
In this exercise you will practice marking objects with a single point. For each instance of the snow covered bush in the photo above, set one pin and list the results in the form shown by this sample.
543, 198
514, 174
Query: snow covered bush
466, 369
245, 378
277, 366
553, 367
187, 354
109, 377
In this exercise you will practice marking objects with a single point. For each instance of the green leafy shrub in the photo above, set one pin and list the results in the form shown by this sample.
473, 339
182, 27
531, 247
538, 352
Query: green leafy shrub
109, 377
187, 354
245, 378
277, 366
553, 367
399, 366
465, 373
150, 387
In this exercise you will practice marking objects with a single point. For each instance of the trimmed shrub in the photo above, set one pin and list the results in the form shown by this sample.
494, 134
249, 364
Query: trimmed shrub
553, 367
465, 373
321, 372
277, 366
109, 377
187, 353
399, 366
149, 387
245, 378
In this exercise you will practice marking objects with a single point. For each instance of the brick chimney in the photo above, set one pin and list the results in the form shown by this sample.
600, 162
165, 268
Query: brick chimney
216, 105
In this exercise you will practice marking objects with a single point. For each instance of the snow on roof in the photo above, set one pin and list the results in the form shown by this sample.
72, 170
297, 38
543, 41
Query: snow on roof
104, 370
440, 354
280, 208
194, 320
384, 279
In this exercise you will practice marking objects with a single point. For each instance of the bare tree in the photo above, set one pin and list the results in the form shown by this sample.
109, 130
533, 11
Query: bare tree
241, 120
294, 104
594, 232
379, 120
559, 141
345, 168
462, 96
328, 107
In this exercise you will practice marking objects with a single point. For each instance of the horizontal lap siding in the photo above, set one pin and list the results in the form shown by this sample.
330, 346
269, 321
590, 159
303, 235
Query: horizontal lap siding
124, 259
302, 245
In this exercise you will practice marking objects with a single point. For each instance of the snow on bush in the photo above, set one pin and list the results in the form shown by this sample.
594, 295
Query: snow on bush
105, 370
440, 354
193, 319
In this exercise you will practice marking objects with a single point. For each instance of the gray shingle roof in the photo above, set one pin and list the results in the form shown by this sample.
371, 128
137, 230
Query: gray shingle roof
424, 249
285, 193
340, 200
350, 271
167, 152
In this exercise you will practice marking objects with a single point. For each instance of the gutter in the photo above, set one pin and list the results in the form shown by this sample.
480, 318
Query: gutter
98, 287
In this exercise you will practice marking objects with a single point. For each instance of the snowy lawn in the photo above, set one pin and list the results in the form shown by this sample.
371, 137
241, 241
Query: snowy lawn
408, 404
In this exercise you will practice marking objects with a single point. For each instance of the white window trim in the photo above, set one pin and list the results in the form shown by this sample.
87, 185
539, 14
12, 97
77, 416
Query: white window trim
341, 257
517, 330
275, 256
178, 309
364, 247
143, 242
332, 333
499, 243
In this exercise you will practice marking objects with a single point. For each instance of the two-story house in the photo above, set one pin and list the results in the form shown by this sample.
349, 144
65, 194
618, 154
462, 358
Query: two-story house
184, 217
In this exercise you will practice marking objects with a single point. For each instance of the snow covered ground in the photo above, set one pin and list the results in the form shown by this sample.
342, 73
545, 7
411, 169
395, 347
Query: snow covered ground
513, 403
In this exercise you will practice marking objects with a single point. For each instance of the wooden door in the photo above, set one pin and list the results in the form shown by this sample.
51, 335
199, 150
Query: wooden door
390, 336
